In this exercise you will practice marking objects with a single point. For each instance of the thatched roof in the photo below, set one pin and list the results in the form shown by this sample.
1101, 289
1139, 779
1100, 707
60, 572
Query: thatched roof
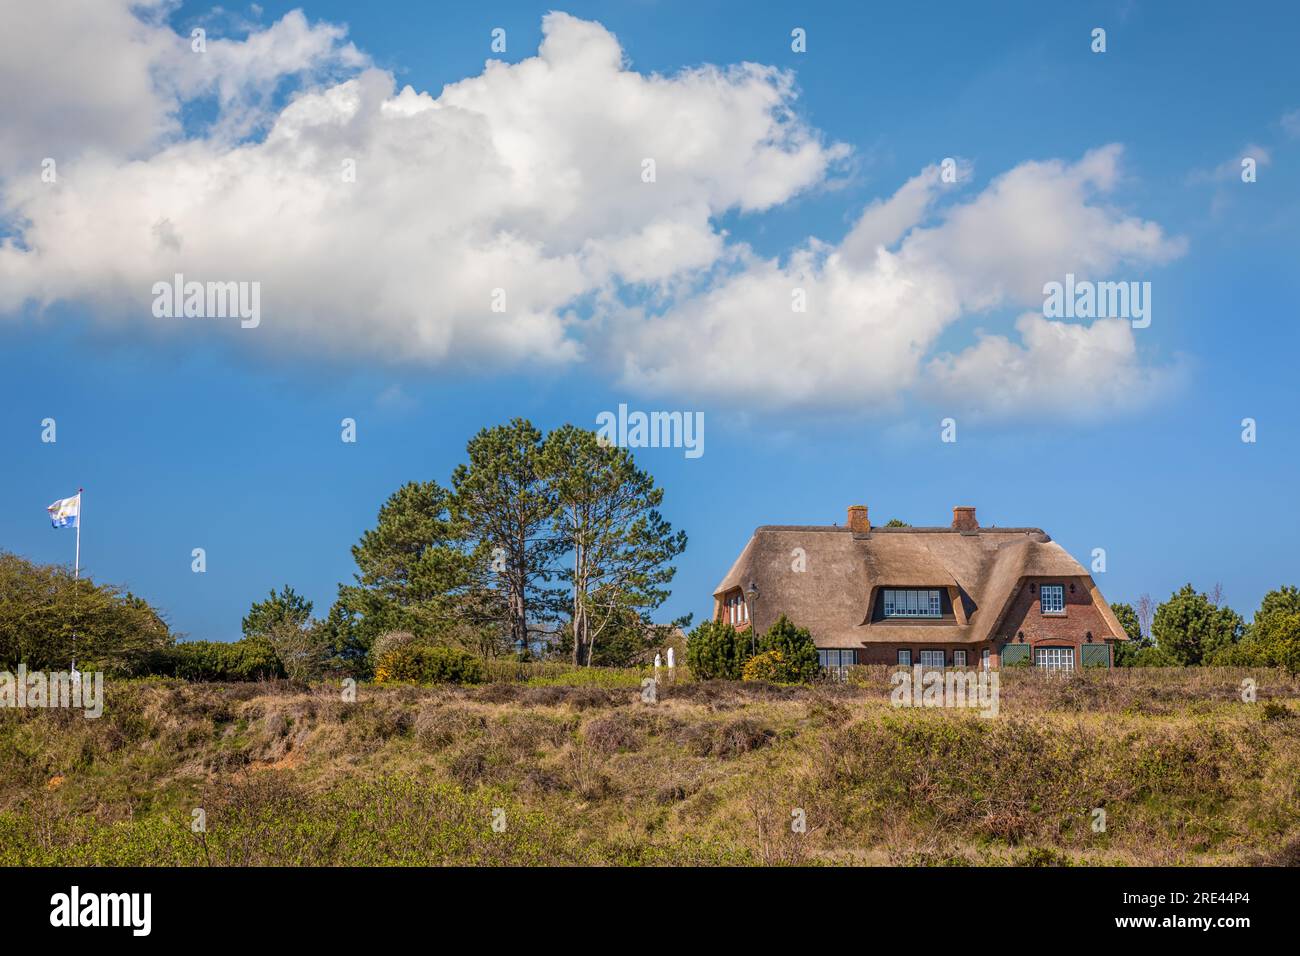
981, 569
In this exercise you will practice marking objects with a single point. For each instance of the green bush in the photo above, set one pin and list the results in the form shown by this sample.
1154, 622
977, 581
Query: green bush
798, 652
249, 659
254, 658
429, 664
1278, 635
1272, 641
714, 651
1152, 655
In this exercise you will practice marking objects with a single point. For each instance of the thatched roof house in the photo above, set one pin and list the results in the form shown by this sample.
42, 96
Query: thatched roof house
946, 595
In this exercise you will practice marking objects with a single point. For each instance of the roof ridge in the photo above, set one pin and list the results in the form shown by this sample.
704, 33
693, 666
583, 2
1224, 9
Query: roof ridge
882, 529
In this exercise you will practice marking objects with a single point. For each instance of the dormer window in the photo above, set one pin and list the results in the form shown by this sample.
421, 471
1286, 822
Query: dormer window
912, 603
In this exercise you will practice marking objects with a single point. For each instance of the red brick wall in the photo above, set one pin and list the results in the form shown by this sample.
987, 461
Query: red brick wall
1025, 614
1060, 630
888, 653
723, 613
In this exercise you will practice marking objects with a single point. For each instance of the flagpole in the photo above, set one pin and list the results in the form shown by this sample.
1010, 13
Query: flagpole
76, 576
76, 562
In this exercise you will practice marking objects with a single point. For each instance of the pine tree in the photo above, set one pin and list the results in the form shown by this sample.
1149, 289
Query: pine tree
797, 649
618, 544
1190, 628
281, 607
506, 508
714, 651
416, 572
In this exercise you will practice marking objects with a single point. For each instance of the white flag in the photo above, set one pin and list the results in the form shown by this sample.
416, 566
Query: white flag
66, 512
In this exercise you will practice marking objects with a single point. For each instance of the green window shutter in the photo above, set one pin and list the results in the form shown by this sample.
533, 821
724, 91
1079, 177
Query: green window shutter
1095, 655
1013, 654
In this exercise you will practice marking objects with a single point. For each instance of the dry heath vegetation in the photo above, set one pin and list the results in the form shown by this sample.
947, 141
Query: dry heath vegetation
540, 770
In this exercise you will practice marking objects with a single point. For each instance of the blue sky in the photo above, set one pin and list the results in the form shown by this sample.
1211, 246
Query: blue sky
207, 437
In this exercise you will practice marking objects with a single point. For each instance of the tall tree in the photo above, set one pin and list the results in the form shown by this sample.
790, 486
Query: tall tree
506, 506
416, 572
619, 546
1190, 627
46, 614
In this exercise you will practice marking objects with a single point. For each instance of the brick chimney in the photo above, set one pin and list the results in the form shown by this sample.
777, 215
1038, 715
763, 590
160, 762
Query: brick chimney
859, 523
963, 519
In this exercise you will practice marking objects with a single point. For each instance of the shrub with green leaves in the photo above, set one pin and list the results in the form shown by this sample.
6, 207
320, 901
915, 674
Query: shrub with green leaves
429, 664
799, 653
1273, 640
250, 659
714, 651
1278, 636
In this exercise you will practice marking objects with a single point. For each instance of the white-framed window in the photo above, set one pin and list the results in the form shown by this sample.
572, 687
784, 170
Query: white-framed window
911, 603
932, 659
905, 657
958, 658
1054, 658
837, 657
986, 659
1052, 598
737, 610
835, 661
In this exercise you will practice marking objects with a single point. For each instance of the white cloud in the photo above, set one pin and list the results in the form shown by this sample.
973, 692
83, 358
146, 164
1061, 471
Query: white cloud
74, 76
1063, 370
111, 77
873, 317
526, 178
885, 221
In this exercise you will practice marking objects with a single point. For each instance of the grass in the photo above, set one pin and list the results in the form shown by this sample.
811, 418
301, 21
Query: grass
573, 767
563, 674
